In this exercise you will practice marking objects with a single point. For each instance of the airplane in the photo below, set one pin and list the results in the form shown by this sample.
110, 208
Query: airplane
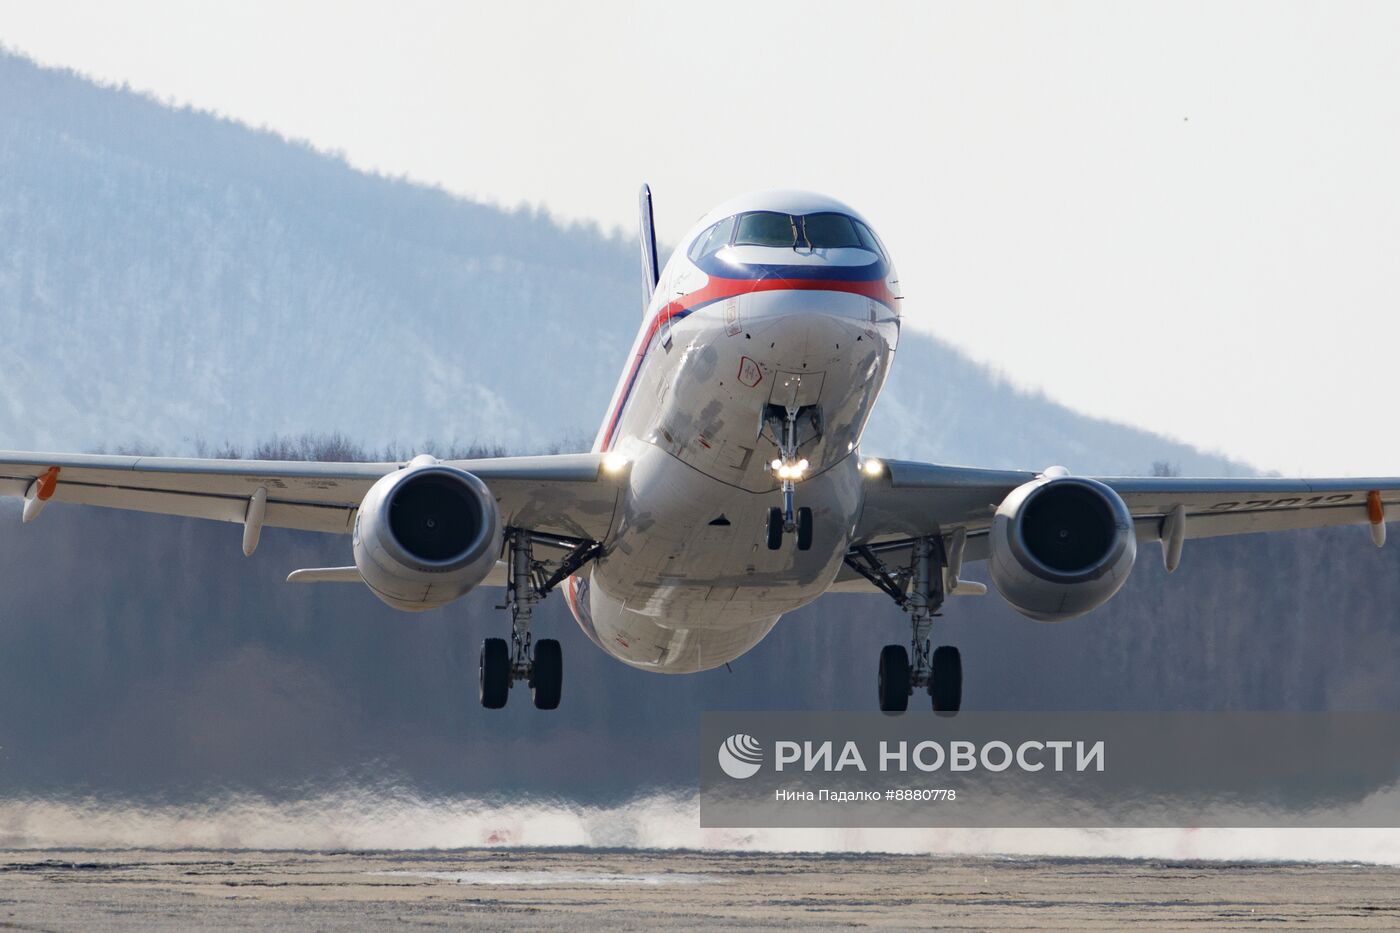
727, 485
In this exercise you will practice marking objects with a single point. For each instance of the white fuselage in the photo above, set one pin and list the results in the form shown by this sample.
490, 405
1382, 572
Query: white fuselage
688, 581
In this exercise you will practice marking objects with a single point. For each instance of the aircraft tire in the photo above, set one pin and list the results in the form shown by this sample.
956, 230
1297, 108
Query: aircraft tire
775, 528
945, 684
494, 673
894, 679
547, 674
804, 529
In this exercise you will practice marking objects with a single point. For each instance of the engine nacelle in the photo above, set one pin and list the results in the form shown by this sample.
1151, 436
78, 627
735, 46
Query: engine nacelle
426, 535
1061, 546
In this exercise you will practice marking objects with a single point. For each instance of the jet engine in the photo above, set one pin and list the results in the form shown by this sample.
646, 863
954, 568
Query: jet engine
425, 535
1061, 546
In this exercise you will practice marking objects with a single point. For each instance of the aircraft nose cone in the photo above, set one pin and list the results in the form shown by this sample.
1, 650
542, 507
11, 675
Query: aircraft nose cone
806, 332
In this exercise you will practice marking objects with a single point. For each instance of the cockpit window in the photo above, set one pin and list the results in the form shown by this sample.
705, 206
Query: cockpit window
697, 249
719, 236
766, 228
830, 231
870, 241
822, 230
711, 240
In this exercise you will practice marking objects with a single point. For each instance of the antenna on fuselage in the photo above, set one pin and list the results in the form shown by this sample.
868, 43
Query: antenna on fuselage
651, 269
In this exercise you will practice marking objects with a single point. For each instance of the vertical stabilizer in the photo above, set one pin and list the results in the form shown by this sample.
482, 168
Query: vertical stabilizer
651, 270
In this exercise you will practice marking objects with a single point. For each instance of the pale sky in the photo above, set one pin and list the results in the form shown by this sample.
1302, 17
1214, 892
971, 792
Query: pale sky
1181, 216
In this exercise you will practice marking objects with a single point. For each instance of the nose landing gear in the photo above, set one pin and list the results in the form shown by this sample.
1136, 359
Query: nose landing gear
780, 523
789, 469
918, 589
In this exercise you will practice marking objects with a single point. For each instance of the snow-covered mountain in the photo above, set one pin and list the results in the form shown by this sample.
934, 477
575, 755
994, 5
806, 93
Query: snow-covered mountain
168, 277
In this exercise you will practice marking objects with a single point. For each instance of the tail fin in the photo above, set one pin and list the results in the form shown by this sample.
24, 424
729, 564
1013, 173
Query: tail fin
651, 269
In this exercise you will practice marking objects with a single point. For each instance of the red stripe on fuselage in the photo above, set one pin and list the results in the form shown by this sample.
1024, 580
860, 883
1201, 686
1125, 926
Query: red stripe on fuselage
718, 289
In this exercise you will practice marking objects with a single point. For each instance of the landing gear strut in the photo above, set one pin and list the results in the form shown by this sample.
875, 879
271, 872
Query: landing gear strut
540, 664
918, 589
789, 469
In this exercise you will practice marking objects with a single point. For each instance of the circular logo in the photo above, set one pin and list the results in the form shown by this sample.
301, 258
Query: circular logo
740, 756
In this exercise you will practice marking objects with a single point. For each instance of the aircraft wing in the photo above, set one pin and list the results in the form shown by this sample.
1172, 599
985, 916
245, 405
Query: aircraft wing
565, 494
907, 499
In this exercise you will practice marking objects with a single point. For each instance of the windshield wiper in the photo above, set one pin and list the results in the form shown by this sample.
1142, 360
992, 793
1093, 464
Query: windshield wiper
802, 237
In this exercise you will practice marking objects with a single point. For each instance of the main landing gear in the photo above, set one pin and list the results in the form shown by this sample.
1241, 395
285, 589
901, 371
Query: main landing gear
541, 663
918, 589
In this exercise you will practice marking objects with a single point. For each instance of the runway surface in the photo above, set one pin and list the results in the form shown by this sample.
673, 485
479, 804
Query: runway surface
63, 890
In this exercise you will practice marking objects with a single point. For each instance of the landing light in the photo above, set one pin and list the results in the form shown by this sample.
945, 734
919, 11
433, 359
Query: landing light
615, 462
872, 467
790, 470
